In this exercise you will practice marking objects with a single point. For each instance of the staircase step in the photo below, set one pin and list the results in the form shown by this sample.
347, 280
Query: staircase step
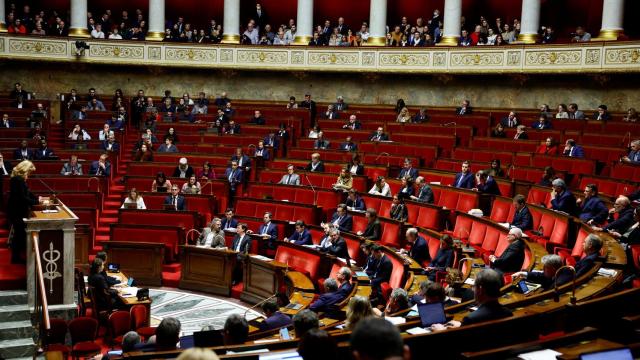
111, 204
172, 268
14, 313
15, 329
16, 348
103, 229
108, 220
102, 238
13, 277
12, 297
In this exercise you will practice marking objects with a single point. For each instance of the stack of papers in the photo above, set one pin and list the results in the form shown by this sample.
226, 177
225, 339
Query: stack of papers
395, 320
470, 281
607, 272
127, 292
260, 257
546, 354
418, 330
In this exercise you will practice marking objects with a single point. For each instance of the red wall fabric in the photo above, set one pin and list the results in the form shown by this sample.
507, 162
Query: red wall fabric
564, 14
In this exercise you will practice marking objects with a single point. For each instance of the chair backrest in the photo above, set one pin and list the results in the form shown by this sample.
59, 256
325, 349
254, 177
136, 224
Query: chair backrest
94, 306
119, 323
83, 329
138, 316
58, 331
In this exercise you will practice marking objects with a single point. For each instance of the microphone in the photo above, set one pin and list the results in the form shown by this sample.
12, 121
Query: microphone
455, 128
383, 154
511, 167
258, 304
315, 193
54, 200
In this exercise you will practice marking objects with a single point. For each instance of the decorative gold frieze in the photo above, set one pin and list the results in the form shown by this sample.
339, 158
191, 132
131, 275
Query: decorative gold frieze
261, 56
559, 57
112, 51
622, 56
407, 59
190, 54
37, 47
468, 58
333, 58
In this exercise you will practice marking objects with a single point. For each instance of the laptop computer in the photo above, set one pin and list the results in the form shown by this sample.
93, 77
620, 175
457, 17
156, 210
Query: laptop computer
617, 354
208, 338
113, 267
431, 313
130, 206
161, 189
130, 281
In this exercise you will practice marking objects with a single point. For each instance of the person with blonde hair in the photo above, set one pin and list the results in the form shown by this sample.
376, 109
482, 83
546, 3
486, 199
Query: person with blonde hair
345, 181
134, 198
198, 354
359, 307
19, 207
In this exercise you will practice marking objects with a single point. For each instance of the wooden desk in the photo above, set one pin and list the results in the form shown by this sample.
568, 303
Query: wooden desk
573, 351
262, 279
129, 256
131, 301
206, 269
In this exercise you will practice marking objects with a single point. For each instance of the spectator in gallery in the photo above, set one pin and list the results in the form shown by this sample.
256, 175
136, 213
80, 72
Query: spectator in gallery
498, 131
581, 35
521, 133
632, 115
548, 35
574, 113
602, 114
563, 112
465, 108
550, 147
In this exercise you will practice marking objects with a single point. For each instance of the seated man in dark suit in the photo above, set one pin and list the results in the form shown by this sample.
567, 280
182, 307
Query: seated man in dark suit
634, 155
229, 222
167, 336
234, 175
425, 193
352, 124
44, 152
522, 218
301, 236
381, 273
602, 114
547, 277
262, 152
321, 143
592, 209
6, 122
542, 123
354, 201
486, 184
242, 245
371, 263
592, 246
102, 255
487, 291
419, 250
513, 256
408, 170
337, 246
373, 231
315, 165
268, 231
23, 152
341, 219
379, 135
562, 199
331, 113
349, 145
175, 198
464, 179
275, 319
335, 292
510, 121
101, 167
625, 219
257, 118
464, 109
572, 149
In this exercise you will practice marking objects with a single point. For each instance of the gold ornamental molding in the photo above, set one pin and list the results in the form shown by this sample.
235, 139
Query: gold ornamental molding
593, 57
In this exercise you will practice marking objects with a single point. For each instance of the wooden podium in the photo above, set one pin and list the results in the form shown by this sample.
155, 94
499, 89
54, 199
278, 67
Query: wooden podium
128, 254
206, 269
54, 228
262, 279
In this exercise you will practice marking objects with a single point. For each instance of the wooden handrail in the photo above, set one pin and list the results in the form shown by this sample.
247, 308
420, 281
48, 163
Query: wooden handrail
40, 280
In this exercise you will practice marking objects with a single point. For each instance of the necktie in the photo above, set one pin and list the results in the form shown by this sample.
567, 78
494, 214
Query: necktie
459, 183
635, 157
571, 152
264, 229
175, 202
289, 179
231, 176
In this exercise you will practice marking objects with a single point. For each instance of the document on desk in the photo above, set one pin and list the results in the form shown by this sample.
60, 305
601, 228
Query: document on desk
418, 330
607, 272
260, 257
546, 354
395, 320
362, 274
128, 292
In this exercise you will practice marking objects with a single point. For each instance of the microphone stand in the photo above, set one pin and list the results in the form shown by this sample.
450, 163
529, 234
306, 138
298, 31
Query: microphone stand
455, 128
54, 199
258, 304
315, 193
383, 154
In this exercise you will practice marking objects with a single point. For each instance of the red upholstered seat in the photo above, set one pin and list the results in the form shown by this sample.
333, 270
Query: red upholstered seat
304, 262
396, 280
462, 230
570, 256
391, 234
539, 196
83, 331
119, 323
476, 236
502, 210
139, 321
56, 336
334, 272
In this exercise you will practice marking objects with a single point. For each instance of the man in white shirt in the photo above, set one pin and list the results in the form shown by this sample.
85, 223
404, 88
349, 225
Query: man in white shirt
105, 133
212, 236
97, 32
252, 33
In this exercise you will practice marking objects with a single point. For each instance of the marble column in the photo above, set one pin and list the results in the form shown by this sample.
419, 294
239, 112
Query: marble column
530, 22
3, 18
156, 20
452, 15
377, 23
78, 26
304, 29
612, 17
231, 23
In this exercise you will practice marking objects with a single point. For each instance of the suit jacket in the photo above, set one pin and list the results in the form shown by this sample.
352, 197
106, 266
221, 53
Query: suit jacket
340, 106
538, 126
425, 194
17, 155
275, 321
623, 223
521, 136
232, 224
585, 264
274, 142
95, 168
634, 157
67, 168
593, 209
43, 154
411, 172
165, 148
505, 122
522, 219
547, 283
216, 242
245, 245
264, 152
331, 115
469, 110
102, 294
345, 224
419, 250
373, 231
578, 114
271, 230
357, 204
371, 265
257, 120
319, 167
293, 179
345, 146
382, 272
20, 200
338, 249
246, 161
188, 172
235, 178
489, 187
235, 129
303, 238
180, 205
7, 167
465, 181
376, 137
605, 116
575, 151
114, 147
9, 122
325, 303
444, 259
321, 144
511, 259
565, 202
485, 312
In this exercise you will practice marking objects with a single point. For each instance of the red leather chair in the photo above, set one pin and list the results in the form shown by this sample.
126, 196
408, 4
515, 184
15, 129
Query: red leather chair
140, 323
119, 323
502, 210
83, 331
635, 253
56, 337
395, 281
570, 256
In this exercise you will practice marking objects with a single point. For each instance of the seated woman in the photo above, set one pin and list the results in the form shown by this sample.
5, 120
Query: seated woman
134, 199
192, 186
404, 116
143, 154
79, 134
398, 210
380, 187
407, 189
160, 184
398, 301
106, 298
373, 231
444, 258
550, 147
632, 115
313, 134
171, 133
344, 182
548, 175
498, 131
495, 170
355, 166
206, 173
359, 307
